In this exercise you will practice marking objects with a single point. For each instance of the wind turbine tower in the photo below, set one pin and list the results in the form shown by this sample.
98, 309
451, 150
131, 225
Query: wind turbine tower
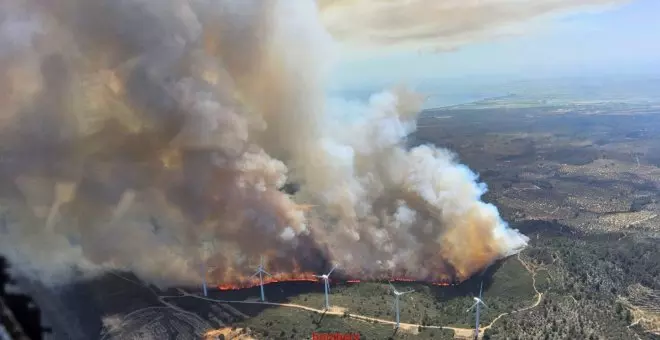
207, 250
205, 272
326, 285
478, 303
204, 279
397, 294
260, 271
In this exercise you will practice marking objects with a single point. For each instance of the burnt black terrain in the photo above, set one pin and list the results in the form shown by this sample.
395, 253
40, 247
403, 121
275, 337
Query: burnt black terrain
19, 315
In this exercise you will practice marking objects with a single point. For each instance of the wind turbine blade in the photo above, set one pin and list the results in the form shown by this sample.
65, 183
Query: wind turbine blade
408, 291
394, 289
481, 288
265, 272
332, 270
483, 304
255, 274
471, 307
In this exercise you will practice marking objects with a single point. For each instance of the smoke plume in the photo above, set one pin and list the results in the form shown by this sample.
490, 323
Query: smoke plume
158, 137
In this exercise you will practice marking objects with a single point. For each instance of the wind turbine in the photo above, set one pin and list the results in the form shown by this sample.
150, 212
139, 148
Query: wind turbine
204, 279
326, 285
260, 271
207, 250
397, 294
477, 303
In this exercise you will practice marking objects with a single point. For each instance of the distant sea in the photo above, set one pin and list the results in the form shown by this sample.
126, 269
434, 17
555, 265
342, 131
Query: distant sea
560, 90
435, 98
444, 100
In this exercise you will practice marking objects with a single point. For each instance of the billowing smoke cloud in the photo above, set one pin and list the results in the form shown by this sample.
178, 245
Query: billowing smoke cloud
437, 24
157, 137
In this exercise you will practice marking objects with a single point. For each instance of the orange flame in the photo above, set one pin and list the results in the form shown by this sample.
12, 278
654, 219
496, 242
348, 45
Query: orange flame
241, 281
402, 279
279, 277
304, 277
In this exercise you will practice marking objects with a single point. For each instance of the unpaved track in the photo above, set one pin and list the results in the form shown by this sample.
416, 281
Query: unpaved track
458, 332
402, 325
539, 297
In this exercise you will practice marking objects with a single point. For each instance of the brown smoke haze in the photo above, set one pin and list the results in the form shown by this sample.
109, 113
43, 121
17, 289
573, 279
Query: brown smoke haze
437, 24
156, 136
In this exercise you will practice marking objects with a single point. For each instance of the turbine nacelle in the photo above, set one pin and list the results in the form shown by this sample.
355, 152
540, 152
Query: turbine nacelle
326, 276
398, 293
478, 301
260, 271
401, 293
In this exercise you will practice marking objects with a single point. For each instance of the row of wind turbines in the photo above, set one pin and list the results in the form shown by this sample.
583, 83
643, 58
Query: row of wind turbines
261, 271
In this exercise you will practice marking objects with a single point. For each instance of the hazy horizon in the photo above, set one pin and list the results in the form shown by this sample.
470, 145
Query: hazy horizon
616, 42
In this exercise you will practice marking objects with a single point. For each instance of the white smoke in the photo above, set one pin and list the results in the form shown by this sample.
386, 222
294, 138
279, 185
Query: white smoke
155, 136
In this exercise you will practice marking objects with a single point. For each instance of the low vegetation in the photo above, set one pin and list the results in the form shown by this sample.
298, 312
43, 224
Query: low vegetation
585, 277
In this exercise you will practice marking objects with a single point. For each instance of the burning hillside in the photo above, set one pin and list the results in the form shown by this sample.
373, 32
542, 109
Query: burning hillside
305, 277
156, 136
253, 281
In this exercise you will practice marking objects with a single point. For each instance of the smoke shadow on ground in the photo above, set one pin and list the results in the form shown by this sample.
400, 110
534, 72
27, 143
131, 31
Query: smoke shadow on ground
284, 292
540, 228
115, 293
75, 310
467, 288
19, 315
122, 292
279, 292
276, 292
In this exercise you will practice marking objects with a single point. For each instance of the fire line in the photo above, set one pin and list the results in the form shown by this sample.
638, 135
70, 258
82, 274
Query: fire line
306, 278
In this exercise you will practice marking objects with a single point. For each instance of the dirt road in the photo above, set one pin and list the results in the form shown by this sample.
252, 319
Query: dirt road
339, 311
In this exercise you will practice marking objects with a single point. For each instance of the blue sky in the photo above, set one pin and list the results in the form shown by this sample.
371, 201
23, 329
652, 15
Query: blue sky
620, 40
